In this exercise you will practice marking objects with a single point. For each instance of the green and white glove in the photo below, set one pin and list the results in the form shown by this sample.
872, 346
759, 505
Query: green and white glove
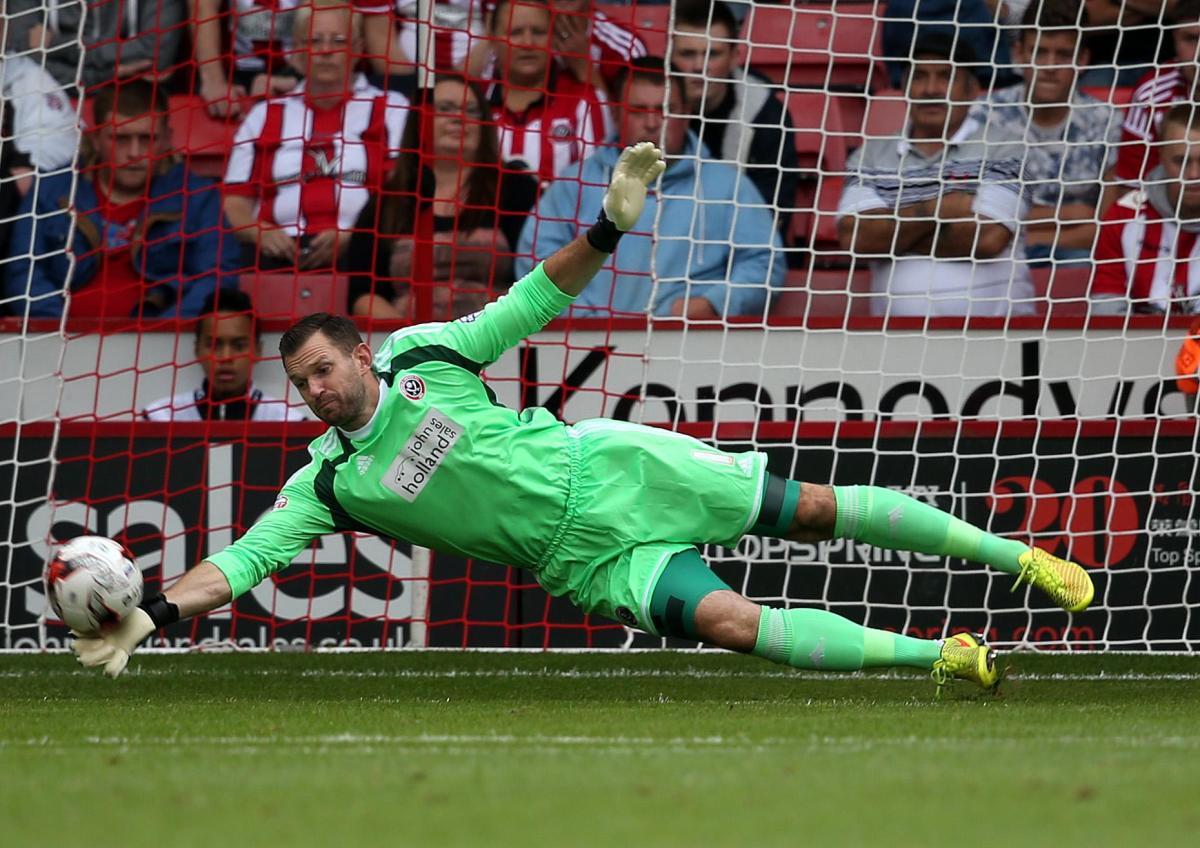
639, 166
113, 649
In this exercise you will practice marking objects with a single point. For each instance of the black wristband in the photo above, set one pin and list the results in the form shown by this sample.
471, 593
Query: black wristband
604, 234
161, 611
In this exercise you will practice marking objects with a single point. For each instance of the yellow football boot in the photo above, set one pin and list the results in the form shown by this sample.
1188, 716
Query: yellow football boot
966, 657
1067, 584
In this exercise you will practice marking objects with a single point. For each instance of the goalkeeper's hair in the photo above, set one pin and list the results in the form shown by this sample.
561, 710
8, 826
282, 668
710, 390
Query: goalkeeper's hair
228, 302
339, 329
704, 14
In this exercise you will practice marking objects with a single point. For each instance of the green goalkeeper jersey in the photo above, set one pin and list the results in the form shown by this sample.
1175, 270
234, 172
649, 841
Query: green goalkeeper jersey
440, 463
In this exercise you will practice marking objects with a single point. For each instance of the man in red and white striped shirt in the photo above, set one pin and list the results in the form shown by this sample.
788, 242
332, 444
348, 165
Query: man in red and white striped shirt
588, 43
1148, 253
303, 164
587, 40
391, 29
548, 120
1154, 94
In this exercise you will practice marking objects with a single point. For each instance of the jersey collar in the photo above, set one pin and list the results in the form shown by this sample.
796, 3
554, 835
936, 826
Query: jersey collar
365, 430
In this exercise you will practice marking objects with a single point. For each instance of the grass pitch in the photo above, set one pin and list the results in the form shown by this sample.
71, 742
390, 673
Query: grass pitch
524, 749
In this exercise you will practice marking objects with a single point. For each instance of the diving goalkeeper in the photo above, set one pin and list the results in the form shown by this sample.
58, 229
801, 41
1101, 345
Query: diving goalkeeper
604, 512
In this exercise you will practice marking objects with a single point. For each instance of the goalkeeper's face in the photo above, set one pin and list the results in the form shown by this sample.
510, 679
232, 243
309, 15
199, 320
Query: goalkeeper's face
338, 386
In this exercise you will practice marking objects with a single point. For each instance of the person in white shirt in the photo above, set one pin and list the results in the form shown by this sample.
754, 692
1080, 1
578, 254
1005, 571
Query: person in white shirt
39, 131
44, 125
228, 343
934, 210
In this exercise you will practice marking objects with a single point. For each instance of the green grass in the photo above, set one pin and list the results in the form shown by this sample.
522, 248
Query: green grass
615, 750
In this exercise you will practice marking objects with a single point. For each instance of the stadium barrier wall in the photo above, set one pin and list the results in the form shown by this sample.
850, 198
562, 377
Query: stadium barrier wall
1119, 495
981, 369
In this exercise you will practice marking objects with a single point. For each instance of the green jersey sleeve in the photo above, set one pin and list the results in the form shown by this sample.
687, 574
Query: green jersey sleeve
482, 337
279, 536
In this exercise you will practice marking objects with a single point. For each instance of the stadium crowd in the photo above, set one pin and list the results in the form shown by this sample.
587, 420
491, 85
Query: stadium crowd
431, 201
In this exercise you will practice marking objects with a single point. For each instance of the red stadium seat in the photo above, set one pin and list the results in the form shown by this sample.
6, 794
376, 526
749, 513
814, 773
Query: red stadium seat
649, 21
830, 293
821, 145
293, 294
815, 46
1063, 290
203, 140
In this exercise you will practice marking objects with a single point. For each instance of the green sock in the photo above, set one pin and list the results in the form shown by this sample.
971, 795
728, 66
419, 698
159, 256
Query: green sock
810, 638
889, 519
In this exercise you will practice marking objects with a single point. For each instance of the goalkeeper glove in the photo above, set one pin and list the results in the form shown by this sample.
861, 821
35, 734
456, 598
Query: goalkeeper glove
639, 165
113, 648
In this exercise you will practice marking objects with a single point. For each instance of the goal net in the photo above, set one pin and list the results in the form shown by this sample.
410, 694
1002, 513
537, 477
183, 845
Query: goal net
946, 248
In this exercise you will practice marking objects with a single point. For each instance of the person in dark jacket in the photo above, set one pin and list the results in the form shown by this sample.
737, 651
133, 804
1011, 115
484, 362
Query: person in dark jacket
148, 237
740, 117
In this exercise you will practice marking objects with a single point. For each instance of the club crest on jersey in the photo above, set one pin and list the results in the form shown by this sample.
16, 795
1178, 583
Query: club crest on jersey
560, 129
327, 166
412, 387
362, 463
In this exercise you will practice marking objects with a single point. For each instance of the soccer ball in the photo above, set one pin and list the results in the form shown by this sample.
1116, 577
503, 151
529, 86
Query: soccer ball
91, 581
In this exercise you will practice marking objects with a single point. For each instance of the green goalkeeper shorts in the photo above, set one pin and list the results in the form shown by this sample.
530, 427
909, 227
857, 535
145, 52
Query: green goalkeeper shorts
639, 496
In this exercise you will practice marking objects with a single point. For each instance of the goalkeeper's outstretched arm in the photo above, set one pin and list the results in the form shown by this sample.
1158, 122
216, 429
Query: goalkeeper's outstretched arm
202, 589
572, 267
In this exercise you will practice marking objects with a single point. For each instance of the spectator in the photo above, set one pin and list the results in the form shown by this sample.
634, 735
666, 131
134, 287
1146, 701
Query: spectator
228, 343
549, 121
304, 164
584, 40
935, 209
146, 236
39, 131
740, 117
1148, 253
713, 252
255, 65
1070, 137
457, 26
591, 45
120, 40
38, 114
969, 22
1154, 94
450, 172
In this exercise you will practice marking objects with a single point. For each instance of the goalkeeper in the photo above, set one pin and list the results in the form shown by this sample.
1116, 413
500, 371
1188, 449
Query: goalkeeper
605, 512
